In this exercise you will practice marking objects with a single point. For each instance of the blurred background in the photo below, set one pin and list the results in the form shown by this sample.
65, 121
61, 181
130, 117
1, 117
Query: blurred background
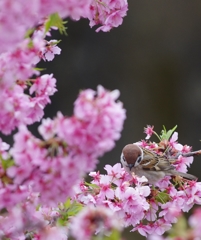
153, 58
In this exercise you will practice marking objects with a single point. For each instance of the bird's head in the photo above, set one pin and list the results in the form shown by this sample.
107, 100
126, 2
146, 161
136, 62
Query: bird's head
131, 156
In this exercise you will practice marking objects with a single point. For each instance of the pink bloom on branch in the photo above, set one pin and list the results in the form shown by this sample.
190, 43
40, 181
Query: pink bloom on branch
50, 50
71, 145
194, 222
25, 15
16, 67
105, 188
173, 142
47, 128
161, 226
44, 85
149, 130
96, 177
109, 14
97, 122
114, 171
182, 163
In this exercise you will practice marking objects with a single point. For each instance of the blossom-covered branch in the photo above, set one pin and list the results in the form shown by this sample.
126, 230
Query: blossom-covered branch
17, 17
148, 209
42, 195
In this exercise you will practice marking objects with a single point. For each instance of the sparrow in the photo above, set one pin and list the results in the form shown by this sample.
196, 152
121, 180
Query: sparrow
144, 162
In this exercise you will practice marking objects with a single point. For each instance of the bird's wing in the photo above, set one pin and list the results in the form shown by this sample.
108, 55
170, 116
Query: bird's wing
151, 161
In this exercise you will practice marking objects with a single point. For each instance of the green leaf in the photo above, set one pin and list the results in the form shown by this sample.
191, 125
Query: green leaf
69, 210
162, 197
74, 209
180, 228
92, 185
53, 43
67, 203
29, 32
55, 20
7, 163
115, 235
62, 221
39, 69
165, 135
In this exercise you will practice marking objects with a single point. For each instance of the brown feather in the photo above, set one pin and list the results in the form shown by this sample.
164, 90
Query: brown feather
152, 161
153, 166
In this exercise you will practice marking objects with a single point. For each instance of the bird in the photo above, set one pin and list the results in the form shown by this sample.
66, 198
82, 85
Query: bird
144, 162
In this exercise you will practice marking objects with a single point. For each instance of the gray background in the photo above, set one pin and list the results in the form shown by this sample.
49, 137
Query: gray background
154, 59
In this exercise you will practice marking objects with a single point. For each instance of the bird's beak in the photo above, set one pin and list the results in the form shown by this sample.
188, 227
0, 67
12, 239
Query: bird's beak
130, 166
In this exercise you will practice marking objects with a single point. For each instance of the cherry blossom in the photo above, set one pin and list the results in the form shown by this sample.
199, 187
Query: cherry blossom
24, 16
17, 69
65, 156
94, 220
41, 179
149, 131
148, 209
107, 13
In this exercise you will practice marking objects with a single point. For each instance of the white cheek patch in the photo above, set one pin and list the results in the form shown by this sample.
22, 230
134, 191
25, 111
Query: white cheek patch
138, 161
140, 158
122, 159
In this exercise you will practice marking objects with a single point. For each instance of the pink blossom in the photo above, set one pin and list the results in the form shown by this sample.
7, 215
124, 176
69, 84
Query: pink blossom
109, 14
96, 177
151, 214
96, 123
44, 85
170, 211
65, 155
105, 188
194, 222
50, 50
3, 149
149, 131
191, 195
114, 171
52, 233
156, 237
142, 229
182, 163
91, 220
24, 16
47, 128
124, 200
173, 142
161, 226
16, 67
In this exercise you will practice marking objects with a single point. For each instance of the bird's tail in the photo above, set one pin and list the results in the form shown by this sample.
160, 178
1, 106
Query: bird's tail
184, 175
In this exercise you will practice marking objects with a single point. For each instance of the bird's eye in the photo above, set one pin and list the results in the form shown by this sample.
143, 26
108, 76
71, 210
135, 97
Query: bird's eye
139, 159
124, 158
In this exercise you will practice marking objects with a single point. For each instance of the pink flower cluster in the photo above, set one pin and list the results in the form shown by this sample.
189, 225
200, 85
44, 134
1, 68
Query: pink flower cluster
26, 96
36, 174
27, 221
94, 220
25, 15
97, 122
17, 17
70, 149
107, 13
183, 230
149, 210
20, 79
